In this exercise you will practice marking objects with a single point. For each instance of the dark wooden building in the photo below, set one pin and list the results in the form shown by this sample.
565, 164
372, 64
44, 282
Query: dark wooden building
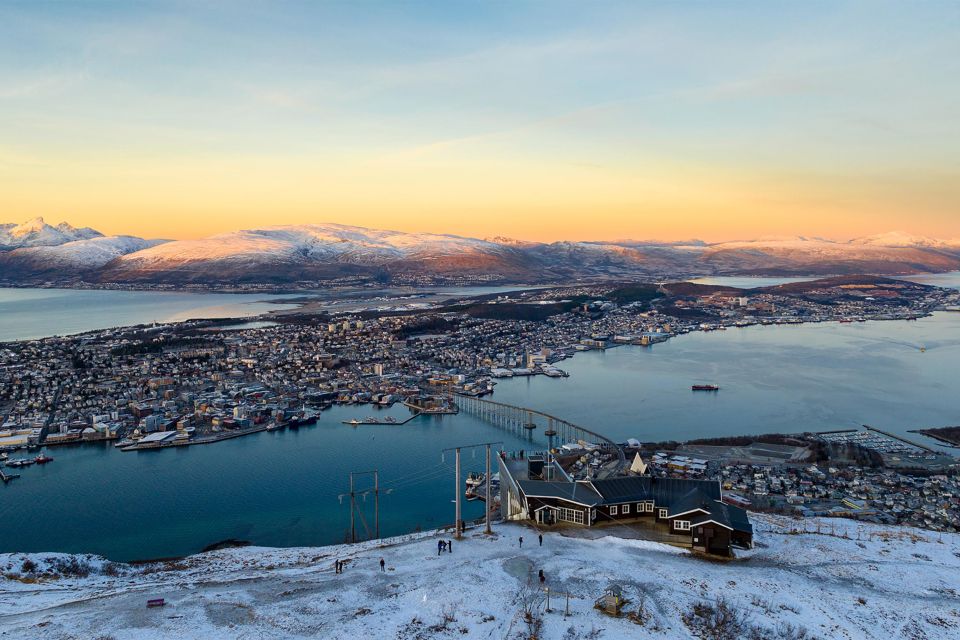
683, 509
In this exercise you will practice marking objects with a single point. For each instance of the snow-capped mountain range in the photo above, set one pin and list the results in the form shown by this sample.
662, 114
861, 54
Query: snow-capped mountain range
37, 233
37, 251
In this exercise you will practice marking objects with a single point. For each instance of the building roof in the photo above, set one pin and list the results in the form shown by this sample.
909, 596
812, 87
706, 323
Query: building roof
725, 515
663, 491
579, 492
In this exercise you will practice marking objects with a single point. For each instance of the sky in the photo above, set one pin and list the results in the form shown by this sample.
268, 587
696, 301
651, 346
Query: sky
533, 120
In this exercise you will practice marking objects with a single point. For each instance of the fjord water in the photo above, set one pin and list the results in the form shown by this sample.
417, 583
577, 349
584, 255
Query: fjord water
896, 376
273, 488
26, 314
281, 489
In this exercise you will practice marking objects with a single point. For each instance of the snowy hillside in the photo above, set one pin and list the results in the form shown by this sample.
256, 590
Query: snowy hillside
76, 257
37, 233
846, 581
292, 252
334, 242
899, 239
315, 252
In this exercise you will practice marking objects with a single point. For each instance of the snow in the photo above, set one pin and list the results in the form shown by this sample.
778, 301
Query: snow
900, 239
89, 253
848, 581
333, 242
37, 233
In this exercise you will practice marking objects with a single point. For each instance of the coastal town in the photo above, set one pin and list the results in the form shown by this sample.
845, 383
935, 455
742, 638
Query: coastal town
203, 381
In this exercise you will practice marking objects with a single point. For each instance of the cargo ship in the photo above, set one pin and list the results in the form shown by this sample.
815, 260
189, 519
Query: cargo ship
705, 387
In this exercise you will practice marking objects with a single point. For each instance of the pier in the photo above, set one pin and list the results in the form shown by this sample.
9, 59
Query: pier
902, 439
7, 477
376, 421
525, 422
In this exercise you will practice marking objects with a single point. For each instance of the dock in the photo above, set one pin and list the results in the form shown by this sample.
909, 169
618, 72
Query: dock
901, 439
7, 477
210, 439
357, 423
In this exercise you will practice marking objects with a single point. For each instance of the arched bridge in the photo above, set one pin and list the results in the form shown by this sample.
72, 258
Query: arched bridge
529, 422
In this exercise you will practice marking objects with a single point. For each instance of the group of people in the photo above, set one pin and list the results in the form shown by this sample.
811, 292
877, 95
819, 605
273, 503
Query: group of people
442, 545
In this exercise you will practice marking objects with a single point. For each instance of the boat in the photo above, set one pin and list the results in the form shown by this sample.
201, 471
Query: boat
475, 479
370, 420
20, 462
302, 421
390, 420
705, 387
42, 459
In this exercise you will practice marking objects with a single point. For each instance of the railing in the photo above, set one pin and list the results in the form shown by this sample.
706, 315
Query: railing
524, 421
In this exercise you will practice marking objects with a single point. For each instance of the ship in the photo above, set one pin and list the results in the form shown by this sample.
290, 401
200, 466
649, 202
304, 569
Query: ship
705, 387
42, 459
303, 420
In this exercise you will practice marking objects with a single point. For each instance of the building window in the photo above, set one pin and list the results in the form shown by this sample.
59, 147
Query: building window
613, 511
626, 509
681, 525
571, 515
661, 513
648, 507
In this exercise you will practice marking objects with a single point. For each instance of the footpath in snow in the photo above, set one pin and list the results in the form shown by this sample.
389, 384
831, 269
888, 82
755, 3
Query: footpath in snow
848, 581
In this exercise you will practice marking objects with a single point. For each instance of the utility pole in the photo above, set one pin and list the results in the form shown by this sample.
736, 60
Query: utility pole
458, 489
457, 521
353, 529
356, 510
486, 502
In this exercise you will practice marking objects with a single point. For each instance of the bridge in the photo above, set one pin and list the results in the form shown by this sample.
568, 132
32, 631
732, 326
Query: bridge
526, 422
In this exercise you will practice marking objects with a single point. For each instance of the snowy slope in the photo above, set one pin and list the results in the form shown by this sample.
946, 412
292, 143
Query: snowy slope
71, 257
297, 251
330, 241
900, 239
887, 254
848, 581
290, 253
37, 233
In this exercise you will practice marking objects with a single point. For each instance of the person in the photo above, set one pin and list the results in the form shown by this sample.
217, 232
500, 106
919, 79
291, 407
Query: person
440, 545
336, 566
543, 578
541, 539
521, 542
383, 565
449, 546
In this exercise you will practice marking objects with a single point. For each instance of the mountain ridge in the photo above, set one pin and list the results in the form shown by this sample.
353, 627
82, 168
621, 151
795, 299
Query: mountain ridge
286, 254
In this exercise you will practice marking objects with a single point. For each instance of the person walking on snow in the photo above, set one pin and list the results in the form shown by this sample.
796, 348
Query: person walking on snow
521, 542
383, 565
541, 539
449, 546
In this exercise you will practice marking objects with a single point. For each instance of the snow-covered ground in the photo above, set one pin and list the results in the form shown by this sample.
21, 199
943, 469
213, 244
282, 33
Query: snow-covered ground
878, 582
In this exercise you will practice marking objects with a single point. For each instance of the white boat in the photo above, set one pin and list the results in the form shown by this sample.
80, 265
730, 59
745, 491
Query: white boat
475, 479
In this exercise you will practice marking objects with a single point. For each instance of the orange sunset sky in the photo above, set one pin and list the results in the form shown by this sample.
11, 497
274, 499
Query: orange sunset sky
540, 121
